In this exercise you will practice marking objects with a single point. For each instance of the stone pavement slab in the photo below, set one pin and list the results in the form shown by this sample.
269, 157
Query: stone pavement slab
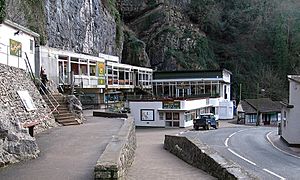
153, 162
68, 152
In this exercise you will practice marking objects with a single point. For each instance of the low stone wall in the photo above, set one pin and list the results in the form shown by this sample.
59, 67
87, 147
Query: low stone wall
109, 114
119, 153
203, 157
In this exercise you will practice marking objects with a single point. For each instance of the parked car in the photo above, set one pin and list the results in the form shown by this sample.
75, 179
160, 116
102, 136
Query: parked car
206, 121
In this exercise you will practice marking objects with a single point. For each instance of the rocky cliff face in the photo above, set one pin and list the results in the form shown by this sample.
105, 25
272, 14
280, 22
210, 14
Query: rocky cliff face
171, 40
84, 26
158, 33
15, 142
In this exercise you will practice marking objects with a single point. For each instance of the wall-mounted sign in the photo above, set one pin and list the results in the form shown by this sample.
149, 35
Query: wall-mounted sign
27, 100
147, 115
15, 48
101, 73
171, 104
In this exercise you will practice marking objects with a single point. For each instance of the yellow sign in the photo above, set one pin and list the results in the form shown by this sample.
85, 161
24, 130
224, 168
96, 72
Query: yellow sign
15, 48
101, 73
101, 69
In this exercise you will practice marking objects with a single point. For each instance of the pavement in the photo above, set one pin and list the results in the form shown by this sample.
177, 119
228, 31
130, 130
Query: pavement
70, 152
67, 152
152, 161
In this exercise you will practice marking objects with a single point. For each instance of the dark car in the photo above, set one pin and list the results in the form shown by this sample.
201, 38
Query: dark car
206, 121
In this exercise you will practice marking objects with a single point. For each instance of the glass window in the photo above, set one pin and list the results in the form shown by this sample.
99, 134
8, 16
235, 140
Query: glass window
74, 68
161, 116
175, 116
83, 69
92, 70
168, 116
31, 45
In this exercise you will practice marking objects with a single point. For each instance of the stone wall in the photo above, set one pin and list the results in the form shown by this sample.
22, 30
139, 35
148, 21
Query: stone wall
16, 144
119, 153
203, 157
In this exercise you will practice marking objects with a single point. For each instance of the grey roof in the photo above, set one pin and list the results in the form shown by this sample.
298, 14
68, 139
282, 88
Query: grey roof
264, 105
189, 74
247, 108
21, 28
294, 78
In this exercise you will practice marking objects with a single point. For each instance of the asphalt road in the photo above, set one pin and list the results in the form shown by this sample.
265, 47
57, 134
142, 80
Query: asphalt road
250, 148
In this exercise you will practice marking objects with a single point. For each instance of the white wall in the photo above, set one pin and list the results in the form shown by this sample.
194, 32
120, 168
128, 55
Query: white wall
48, 59
226, 76
225, 108
135, 108
291, 132
193, 104
7, 33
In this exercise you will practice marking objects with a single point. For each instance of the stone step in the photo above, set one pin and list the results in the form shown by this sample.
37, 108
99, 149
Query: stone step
65, 118
67, 121
70, 123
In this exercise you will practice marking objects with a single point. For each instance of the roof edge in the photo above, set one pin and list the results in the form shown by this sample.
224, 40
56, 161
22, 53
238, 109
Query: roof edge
22, 28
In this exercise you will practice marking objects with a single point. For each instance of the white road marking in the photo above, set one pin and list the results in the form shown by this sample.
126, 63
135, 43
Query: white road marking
279, 148
226, 142
245, 159
274, 174
232, 134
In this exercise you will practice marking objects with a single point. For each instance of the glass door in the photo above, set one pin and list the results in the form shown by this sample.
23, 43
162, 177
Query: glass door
62, 72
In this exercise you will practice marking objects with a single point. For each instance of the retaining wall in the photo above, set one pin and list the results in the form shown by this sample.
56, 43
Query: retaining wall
119, 153
203, 157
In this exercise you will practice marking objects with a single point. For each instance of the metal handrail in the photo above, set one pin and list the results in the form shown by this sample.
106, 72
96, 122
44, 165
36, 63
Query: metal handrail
46, 95
28, 67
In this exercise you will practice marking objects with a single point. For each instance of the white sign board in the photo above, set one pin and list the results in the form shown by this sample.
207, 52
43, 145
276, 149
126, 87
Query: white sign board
27, 100
147, 115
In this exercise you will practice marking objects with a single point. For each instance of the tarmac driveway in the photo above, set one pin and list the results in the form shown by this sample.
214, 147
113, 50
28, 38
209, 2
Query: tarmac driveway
68, 152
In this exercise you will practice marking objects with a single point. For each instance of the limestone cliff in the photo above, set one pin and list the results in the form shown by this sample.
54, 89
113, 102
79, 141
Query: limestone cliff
159, 33
172, 40
84, 26
15, 142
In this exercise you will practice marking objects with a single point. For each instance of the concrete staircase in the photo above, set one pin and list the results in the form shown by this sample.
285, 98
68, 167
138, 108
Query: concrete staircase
63, 116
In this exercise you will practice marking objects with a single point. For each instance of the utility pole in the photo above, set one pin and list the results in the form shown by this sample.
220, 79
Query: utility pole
240, 92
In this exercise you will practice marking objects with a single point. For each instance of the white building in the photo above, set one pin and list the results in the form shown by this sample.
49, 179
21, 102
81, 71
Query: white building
175, 113
290, 124
103, 79
15, 42
180, 96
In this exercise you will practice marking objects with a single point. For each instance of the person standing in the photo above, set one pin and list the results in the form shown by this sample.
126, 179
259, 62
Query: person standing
44, 80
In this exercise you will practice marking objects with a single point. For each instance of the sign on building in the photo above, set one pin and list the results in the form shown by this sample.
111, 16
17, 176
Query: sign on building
15, 48
171, 105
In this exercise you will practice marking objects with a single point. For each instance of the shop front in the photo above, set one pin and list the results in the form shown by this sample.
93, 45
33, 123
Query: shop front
168, 113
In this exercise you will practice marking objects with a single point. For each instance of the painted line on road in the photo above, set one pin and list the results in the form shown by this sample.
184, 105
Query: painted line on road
226, 142
274, 174
245, 159
287, 153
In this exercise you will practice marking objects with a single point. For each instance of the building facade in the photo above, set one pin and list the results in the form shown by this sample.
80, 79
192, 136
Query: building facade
101, 79
16, 42
181, 96
291, 112
261, 111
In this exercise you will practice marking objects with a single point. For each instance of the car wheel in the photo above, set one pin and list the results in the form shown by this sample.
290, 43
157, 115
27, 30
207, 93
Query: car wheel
196, 127
217, 126
208, 127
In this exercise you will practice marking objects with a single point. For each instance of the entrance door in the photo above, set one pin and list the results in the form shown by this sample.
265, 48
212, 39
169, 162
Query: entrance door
172, 119
62, 72
266, 118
